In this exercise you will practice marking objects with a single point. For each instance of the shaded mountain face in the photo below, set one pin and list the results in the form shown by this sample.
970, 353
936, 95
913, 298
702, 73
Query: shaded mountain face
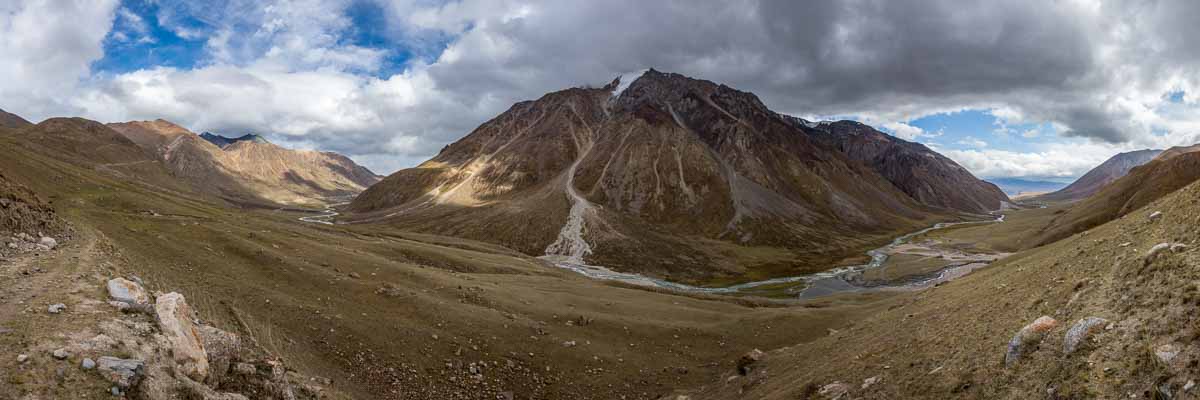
1110, 170
249, 170
1142, 185
221, 141
919, 172
12, 121
670, 176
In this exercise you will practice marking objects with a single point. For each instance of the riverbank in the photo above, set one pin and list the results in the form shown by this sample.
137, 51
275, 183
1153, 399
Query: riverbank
952, 264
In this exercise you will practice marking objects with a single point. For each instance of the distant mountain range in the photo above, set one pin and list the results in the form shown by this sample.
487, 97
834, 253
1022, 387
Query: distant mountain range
222, 141
1142, 185
675, 176
1110, 170
1016, 186
249, 168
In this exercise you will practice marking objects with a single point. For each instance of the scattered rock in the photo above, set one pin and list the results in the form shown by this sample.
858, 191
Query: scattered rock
88, 363
355, 275
834, 391
1166, 353
48, 242
175, 320
1080, 332
1029, 335
244, 369
569, 343
1153, 253
1187, 387
123, 373
61, 354
870, 382
22, 358
1154, 216
56, 308
126, 291
747, 361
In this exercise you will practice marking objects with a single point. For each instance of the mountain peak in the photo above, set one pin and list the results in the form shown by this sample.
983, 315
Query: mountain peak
222, 141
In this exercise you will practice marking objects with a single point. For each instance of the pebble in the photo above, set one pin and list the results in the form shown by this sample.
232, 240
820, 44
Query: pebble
88, 363
56, 308
21, 359
61, 354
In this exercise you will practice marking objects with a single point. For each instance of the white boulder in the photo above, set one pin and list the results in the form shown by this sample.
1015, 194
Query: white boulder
175, 320
127, 291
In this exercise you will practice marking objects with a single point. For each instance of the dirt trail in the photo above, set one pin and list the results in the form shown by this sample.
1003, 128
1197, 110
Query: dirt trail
69, 274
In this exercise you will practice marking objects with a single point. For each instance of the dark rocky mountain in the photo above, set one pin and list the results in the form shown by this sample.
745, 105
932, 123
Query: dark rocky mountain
919, 172
671, 176
12, 121
1110, 170
222, 141
248, 168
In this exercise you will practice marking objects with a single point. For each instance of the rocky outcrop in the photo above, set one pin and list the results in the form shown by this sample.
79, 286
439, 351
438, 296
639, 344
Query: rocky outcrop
25, 219
175, 320
175, 357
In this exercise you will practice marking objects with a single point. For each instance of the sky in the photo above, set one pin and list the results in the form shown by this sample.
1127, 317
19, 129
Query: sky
1034, 89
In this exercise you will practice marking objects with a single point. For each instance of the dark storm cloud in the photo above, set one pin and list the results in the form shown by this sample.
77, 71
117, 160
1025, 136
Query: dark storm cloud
1091, 69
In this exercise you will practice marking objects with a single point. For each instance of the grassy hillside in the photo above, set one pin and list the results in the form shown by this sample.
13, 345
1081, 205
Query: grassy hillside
950, 341
381, 312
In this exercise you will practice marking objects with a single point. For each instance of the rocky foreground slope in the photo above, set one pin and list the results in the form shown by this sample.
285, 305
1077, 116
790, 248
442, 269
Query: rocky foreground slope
1097, 178
665, 175
253, 171
1109, 313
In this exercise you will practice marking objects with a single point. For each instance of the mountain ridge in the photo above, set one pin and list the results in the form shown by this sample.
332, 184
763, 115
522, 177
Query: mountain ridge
249, 168
1097, 178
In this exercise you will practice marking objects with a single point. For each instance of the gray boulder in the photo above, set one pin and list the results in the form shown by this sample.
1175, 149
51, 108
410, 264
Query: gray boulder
1029, 335
1080, 332
124, 373
126, 291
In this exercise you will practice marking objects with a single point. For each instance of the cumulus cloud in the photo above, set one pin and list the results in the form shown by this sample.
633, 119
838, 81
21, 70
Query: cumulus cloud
45, 49
1096, 71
